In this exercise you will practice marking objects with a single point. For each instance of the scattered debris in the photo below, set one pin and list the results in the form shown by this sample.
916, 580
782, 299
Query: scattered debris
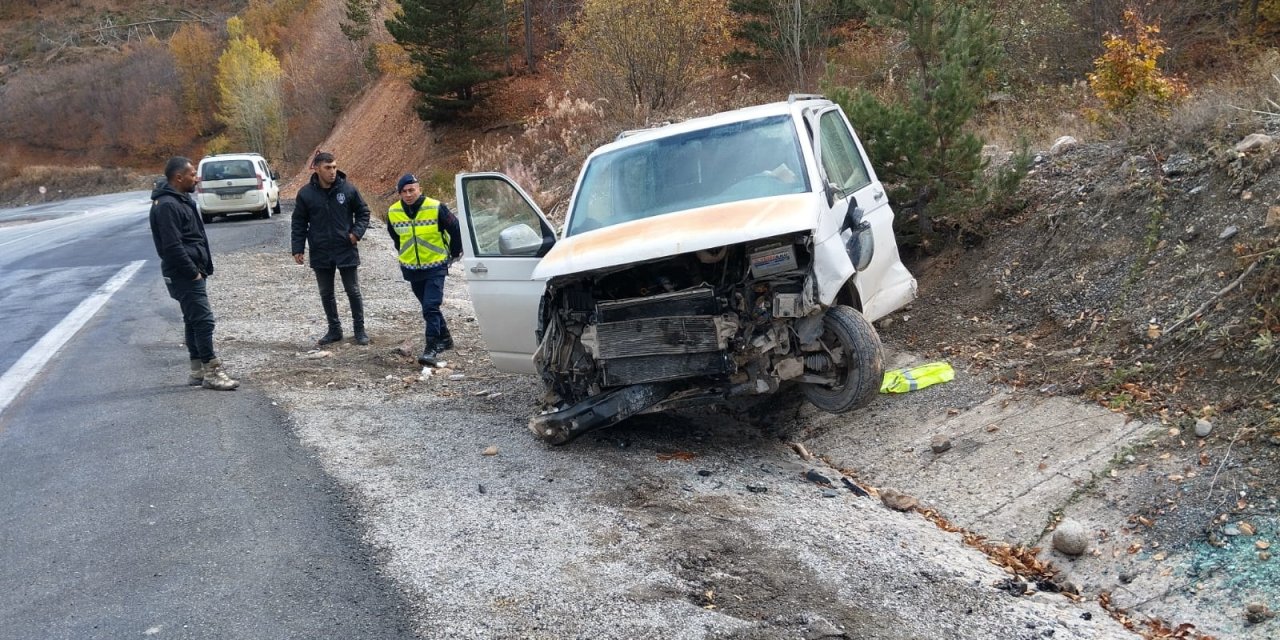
490, 450
853, 486
677, 455
919, 377
1203, 427
940, 443
1061, 144
1257, 613
1014, 586
801, 451
315, 355
897, 500
1070, 538
1254, 141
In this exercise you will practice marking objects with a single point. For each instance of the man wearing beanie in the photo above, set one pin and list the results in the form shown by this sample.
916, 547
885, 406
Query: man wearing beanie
427, 239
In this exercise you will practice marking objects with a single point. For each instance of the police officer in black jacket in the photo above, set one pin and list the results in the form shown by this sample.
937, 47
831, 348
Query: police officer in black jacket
330, 215
186, 264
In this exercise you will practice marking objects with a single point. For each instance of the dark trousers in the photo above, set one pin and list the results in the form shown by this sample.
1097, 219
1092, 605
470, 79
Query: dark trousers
197, 315
351, 284
430, 293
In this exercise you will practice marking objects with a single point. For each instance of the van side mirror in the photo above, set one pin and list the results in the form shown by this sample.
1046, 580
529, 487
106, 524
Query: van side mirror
519, 240
852, 217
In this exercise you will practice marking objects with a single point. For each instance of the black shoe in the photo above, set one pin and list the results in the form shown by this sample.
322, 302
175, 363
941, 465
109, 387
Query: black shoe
334, 335
429, 355
362, 338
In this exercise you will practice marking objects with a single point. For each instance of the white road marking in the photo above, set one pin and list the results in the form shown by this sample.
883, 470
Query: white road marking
40, 353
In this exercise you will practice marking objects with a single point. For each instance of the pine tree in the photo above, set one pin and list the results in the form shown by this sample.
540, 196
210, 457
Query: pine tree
922, 147
359, 17
458, 45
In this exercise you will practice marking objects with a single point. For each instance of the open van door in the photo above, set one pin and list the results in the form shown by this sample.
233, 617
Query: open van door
504, 236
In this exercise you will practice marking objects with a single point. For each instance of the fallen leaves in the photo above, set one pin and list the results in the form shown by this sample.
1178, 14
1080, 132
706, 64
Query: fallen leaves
1150, 628
677, 455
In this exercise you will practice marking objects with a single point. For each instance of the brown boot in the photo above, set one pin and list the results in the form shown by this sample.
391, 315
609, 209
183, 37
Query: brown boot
217, 379
197, 373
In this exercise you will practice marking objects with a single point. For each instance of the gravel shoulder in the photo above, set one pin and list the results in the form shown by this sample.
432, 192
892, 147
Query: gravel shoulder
694, 525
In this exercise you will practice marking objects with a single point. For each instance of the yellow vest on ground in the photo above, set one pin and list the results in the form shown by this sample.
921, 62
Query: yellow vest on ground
904, 380
422, 242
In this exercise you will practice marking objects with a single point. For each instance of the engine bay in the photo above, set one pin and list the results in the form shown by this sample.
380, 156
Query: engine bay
738, 319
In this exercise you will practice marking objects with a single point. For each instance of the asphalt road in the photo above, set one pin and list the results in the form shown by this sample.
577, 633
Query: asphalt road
133, 505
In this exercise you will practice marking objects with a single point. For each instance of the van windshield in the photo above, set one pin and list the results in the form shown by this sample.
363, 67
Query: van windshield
227, 170
739, 161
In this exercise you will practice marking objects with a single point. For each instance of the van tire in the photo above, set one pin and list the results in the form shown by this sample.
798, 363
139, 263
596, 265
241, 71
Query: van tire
207, 218
862, 370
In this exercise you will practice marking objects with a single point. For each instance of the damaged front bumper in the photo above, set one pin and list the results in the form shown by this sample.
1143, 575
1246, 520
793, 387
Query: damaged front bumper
612, 407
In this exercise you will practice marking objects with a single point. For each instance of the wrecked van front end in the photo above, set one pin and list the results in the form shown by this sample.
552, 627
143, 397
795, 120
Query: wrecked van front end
722, 257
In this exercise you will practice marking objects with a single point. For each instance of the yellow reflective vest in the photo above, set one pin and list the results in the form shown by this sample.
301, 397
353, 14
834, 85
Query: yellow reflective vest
904, 380
422, 242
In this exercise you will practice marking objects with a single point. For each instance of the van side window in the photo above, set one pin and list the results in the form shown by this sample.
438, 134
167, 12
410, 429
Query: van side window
840, 157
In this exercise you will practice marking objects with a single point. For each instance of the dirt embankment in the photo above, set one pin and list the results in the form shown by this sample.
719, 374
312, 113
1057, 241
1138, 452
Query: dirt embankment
377, 140
1149, 285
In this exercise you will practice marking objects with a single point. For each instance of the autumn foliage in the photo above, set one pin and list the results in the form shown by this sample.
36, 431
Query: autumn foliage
645, 53
249, 95
1127, 74
194, 49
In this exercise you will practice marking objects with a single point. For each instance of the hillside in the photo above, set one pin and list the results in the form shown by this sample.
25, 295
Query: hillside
378, 139
129, 94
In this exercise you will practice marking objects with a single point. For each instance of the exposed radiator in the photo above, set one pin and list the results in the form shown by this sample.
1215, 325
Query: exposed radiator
654, 368
656, 336
700, 301
663, 337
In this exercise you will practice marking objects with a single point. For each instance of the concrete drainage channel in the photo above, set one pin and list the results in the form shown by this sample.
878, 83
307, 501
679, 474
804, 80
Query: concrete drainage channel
1010, 467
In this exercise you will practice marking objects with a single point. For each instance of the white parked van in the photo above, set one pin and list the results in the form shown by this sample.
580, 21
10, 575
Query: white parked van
236, 183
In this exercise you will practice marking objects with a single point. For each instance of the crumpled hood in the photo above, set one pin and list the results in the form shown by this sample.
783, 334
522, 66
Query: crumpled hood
680, 232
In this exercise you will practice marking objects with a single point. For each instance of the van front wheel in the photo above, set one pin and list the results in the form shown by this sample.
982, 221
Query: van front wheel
852, 351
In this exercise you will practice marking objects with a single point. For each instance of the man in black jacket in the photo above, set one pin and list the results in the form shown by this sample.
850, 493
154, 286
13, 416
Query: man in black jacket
186, 264
330, 215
